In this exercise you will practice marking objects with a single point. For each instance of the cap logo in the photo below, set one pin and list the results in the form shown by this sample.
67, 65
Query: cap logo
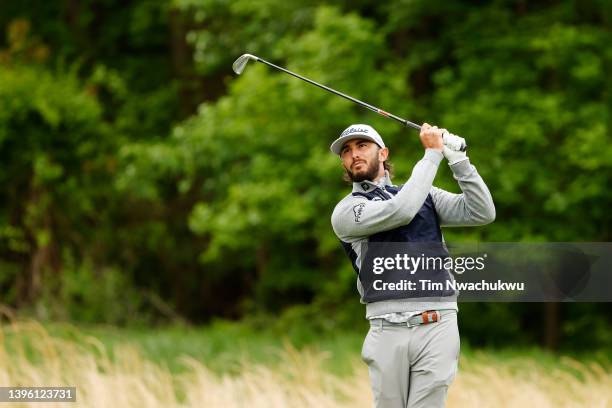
354, 130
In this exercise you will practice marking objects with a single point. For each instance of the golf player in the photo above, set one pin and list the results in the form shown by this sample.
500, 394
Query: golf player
412, 347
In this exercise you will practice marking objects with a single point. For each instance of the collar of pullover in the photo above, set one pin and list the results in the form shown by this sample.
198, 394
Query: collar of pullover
367, 185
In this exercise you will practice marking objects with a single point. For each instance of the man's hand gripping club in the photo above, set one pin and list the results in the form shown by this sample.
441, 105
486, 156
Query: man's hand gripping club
448, 144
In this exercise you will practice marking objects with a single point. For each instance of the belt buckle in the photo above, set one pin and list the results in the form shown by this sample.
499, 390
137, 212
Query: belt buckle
428, 316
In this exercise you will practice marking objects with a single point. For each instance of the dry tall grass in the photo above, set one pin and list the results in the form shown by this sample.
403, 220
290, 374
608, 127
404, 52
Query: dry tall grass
297, 380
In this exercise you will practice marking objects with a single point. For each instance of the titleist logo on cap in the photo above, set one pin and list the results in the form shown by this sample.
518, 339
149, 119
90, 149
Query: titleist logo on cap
354, 130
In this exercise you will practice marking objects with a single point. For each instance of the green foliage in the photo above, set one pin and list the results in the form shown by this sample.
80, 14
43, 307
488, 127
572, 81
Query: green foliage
155, 168
272, 181
87, 294
55, 154
236, 26
50, 142
540, 93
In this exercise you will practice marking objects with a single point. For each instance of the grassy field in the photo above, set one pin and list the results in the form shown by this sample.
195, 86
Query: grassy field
229, 365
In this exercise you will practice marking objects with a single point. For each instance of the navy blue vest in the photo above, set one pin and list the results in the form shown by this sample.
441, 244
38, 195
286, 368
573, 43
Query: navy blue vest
423, 230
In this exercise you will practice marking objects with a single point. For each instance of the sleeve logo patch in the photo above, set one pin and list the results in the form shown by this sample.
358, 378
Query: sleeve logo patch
358, 210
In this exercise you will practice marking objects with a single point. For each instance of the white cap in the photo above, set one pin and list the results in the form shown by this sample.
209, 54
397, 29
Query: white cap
358, 131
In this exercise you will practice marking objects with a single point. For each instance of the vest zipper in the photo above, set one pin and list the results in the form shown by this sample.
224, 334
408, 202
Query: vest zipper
381, 194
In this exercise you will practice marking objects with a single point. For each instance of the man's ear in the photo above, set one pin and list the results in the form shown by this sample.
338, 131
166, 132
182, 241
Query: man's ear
383, 154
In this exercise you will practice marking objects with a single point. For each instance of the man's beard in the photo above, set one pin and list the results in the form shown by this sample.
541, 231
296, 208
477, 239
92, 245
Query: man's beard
369, 174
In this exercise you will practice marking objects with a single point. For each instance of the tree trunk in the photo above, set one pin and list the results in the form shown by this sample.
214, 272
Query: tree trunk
552, 325
181, 59
43, 252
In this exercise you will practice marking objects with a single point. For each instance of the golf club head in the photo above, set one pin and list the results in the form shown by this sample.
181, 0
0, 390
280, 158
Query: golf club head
239, 65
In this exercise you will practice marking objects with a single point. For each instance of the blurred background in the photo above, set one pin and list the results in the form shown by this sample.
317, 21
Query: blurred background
146, 186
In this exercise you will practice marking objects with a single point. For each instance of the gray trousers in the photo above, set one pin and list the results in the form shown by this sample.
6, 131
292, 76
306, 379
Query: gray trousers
412, 366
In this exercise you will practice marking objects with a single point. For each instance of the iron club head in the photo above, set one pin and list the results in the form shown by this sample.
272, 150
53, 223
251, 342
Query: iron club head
239, 65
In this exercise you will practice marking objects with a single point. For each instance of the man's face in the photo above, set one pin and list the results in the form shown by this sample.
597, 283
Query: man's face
362, 159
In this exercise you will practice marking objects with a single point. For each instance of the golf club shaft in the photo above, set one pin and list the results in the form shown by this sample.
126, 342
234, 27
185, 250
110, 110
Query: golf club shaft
350, 98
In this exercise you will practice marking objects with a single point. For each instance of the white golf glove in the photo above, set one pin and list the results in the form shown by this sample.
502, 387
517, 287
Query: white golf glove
452, 146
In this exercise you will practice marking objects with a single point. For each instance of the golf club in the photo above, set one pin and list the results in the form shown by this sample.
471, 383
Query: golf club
240, 64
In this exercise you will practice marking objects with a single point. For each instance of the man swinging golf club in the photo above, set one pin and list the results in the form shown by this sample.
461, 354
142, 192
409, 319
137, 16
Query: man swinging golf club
412, 347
